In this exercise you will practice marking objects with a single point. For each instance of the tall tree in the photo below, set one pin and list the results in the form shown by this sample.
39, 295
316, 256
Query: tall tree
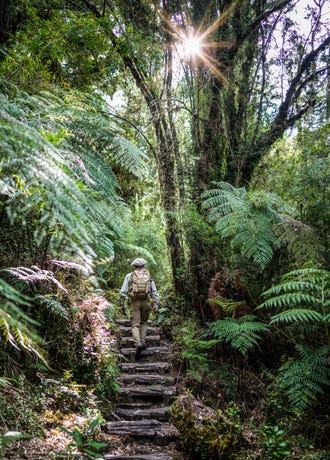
253, 77
237, 109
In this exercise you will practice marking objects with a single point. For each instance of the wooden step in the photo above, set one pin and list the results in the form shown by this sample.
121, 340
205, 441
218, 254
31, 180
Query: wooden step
146, 379
137, 366
166, 393
150, 352
152, 340
127, 322
161, 432
147, 390
156, 456
127, 330
157, 413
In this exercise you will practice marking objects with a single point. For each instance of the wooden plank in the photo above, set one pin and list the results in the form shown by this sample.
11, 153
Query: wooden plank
148, 390
127, 322
157, 413
152, 340
155, 456
127, 330
147, 379
160, 367
150, 351
143, 428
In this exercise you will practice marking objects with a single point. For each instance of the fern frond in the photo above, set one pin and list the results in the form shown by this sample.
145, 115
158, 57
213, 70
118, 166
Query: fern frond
5, 329
302, 379
326, 318
228, 305
52, 305
35, 274
59, 168
130, 157
246, 219
242, 333
297, 315
289, 300
16, 326
292, 285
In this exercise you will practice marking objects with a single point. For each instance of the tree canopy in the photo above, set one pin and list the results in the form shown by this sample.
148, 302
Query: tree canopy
194, 134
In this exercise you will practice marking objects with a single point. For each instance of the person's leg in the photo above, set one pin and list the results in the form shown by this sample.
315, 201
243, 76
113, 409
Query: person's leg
135, 322
145, 312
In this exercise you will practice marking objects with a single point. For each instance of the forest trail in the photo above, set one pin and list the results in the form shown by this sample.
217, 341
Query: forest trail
147, 388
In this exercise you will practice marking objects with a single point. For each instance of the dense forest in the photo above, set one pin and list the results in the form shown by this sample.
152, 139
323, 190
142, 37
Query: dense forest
195, 135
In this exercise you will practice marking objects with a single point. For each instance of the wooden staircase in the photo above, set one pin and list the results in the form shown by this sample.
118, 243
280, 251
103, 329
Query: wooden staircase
147, 388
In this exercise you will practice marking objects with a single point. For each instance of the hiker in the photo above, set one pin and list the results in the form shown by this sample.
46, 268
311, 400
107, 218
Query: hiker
141, 290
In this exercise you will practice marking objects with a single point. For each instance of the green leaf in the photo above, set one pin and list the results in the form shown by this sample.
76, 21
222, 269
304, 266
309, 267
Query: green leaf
297, 315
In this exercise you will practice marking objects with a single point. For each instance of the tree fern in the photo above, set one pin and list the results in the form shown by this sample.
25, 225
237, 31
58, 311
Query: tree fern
254, 223
52, 305
304, 378
303, 296
242, 333
56, 168
17, 328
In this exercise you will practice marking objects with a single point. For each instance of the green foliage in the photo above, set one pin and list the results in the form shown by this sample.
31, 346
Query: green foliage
206, 433
275, 444
255, 223
21, 404
303, 297
80, 54
8, 438
16, 327
83, 440
303, 378
67, 187
193, 350
300, 175
247, 223
52, 305
242, 333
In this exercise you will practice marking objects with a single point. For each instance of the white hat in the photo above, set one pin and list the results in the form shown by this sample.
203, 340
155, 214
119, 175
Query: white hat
138, 262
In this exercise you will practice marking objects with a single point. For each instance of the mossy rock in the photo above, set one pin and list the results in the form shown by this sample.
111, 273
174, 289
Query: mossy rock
206, 433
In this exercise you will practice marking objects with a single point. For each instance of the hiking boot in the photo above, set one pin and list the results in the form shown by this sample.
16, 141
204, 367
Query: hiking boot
138, 352
144, 346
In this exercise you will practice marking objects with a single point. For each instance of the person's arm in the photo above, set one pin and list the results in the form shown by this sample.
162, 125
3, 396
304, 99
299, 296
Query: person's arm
154, 295
124, 293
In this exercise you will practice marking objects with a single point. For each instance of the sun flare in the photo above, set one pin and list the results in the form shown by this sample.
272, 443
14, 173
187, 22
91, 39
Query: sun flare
192, 46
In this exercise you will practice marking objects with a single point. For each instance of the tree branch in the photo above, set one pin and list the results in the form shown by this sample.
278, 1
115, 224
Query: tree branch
279, 121
92, 8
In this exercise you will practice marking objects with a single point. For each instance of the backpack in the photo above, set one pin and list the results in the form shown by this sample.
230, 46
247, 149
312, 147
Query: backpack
140, 284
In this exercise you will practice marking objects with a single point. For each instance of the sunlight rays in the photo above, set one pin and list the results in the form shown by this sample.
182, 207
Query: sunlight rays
194, 46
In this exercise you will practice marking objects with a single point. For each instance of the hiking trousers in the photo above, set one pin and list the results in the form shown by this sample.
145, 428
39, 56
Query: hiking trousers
140, 311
